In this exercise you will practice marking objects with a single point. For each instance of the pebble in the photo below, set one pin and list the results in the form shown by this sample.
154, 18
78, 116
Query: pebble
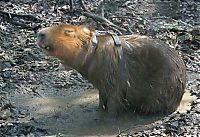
5, 115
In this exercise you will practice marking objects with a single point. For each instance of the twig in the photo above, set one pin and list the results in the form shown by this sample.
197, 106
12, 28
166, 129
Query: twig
177, 21
71, 4
11, 15
115, 29
34, 91
22, 25
101, 7
129, 29
102, 20
83, 5
127, 17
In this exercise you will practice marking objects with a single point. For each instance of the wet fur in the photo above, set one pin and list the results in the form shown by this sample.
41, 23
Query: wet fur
156, 74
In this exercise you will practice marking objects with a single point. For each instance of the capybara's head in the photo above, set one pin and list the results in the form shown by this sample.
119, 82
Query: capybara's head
66, 42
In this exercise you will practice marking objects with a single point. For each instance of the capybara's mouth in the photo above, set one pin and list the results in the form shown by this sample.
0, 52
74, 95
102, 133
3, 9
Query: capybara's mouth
42, 40
43, 45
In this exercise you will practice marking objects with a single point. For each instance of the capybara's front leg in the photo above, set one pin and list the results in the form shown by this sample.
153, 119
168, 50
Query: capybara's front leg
113, 106
103, 101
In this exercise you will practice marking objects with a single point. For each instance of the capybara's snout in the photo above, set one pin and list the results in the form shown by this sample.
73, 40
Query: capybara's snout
42, 39
41, 36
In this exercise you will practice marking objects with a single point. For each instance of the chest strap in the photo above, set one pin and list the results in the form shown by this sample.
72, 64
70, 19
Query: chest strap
118, 45
122, 61
90, 54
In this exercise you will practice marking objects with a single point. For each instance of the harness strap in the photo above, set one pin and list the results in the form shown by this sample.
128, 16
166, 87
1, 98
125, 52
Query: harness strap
94, 43
122, 61
91, 52
123, 67
118, 45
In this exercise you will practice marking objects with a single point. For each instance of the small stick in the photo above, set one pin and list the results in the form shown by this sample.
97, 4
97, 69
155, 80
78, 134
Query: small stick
11, 15
22, 25
100, 8
83, 5
102, 20
71, 4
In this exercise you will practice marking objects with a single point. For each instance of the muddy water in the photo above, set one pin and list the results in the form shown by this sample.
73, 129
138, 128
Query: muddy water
78, 115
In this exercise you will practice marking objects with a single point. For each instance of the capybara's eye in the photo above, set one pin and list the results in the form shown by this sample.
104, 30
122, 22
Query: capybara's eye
67, 32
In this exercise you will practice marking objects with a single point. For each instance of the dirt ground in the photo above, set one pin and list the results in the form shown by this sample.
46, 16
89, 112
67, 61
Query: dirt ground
39, 97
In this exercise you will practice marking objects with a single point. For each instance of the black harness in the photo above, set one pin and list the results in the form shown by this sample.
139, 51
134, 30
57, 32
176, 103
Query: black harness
118, 45
122, 61
124, 73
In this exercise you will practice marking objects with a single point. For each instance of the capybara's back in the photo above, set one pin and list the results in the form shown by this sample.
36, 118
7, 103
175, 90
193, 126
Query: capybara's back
157, 76
141, 74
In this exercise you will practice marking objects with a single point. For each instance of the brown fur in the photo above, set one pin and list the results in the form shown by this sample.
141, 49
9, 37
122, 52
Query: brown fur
156, 74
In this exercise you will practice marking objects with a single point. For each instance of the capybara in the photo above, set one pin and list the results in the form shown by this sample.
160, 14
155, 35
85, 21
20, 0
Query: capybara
145, 76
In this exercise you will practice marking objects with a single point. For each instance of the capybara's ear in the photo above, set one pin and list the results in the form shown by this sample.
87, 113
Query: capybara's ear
87, 29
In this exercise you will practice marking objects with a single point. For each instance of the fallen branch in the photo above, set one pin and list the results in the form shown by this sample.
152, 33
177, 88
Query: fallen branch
23, 25
11, 15
102, 20
127, 17
180, 22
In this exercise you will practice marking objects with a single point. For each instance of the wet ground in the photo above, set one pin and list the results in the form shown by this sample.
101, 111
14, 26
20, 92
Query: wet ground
78, 115
38, 96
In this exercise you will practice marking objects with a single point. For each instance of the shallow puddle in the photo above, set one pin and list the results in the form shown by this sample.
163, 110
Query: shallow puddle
78, 115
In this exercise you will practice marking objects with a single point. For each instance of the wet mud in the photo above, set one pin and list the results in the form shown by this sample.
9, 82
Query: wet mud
78, 114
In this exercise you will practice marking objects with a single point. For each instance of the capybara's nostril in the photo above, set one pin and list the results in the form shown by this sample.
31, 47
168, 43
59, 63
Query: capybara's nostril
41, 36
41, 40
